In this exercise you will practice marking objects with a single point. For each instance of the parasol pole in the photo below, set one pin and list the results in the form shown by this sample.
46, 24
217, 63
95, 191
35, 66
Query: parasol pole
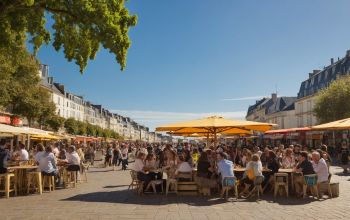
207, 140
215, 138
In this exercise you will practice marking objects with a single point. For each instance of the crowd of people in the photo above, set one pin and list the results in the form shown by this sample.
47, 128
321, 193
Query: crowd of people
213, 165
47, 157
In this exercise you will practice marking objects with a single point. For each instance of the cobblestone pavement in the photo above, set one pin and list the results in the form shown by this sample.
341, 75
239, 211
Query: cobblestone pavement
105, 196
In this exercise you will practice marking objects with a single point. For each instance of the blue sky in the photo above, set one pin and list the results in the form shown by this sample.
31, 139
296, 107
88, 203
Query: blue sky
192, 58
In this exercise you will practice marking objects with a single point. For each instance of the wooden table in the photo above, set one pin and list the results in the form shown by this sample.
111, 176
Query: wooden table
20, 175
242, 169
290, 173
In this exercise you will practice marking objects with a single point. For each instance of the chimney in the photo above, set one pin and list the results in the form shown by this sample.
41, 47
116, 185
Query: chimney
316, 71
332, 61
274, 97
348, 53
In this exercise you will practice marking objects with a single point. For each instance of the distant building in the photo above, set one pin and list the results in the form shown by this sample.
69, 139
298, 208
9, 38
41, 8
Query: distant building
69, 105
318, 79
276, 110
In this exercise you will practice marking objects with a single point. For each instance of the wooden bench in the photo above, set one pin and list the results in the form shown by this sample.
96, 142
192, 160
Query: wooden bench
187, 188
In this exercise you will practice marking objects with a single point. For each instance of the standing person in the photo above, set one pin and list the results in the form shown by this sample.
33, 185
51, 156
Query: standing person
4, 156
344, 156
92, 153
116, 156
124, 157
108, 156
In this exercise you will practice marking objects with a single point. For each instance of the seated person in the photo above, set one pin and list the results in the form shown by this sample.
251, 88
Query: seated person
47, 162
151, 162
141, 170
22, 154
184, 169
151, 165
305, 167
204, 172
273, 166
288, 161
73, 159
225, 168
320, 167
186, 154
252, 170
4, 156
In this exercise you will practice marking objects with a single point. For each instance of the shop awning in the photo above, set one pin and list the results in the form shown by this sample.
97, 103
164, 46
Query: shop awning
289, 130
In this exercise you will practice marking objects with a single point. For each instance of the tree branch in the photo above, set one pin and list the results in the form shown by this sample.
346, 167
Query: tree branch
57, 11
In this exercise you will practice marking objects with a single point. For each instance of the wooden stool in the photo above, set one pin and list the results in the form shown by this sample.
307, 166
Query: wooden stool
34, 181
84, 168
310, 181
325, 186
171, 183
70, 178
229, 183
49, 181
257, 186
281, 179
6, 177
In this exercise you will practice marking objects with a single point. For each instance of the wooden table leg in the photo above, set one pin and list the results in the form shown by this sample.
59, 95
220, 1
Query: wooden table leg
38, 177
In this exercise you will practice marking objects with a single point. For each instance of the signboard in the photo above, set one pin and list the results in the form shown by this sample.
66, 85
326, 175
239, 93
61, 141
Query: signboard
7, 120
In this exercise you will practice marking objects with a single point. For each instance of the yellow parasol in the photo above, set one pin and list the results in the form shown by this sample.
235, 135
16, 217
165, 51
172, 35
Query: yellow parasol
343, 124
215, 125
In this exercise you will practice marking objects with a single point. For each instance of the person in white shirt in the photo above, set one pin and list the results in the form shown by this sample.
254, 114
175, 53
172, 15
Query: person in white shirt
55, 150
47, 162
139, 167
23, 154
39, 152
183, 169
73, 159
320, 167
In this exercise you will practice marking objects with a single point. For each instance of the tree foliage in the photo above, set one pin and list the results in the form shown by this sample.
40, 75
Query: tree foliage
76, 127
333, 103
20, 91
55, 122
79, 26
71, 126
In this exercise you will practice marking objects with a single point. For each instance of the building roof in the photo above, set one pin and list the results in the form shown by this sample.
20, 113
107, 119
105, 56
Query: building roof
321, 79
270, 106
281, 104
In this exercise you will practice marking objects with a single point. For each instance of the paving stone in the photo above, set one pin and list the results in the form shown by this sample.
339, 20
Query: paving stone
105, 196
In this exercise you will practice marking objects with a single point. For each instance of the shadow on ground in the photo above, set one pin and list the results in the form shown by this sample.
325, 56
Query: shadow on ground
130, 197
